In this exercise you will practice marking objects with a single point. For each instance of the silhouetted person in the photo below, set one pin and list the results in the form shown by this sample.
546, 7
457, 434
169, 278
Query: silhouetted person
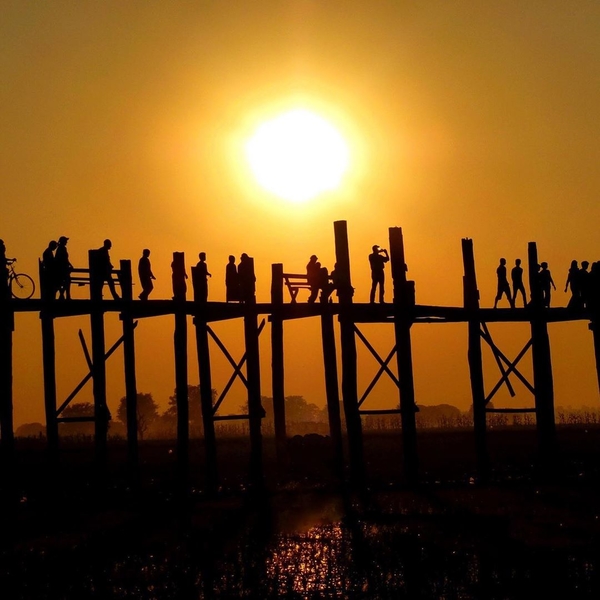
63, 269
324, 285
312, 277
105, 268
377, 260
584, 282
201, 281
503, 285
574, 282
4, 263
546, 281
232, 283
247, 279
516, 276
145, 274
49, 270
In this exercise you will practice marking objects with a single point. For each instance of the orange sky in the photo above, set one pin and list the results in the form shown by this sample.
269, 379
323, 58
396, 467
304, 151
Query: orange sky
125, 120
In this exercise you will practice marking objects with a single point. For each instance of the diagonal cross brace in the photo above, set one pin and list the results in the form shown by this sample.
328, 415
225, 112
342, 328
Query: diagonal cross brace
237, 367
82, 383
494, 349
383, 365
512, 367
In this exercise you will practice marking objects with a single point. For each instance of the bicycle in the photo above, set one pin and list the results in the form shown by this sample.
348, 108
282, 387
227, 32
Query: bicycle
20, 284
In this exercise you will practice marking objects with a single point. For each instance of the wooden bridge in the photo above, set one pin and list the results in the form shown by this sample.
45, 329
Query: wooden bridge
402, 313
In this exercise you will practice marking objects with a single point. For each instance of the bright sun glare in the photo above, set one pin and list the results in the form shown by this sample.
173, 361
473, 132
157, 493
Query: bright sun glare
298, 155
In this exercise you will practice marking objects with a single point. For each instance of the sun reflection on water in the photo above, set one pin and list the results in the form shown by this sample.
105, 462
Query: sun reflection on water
310, 562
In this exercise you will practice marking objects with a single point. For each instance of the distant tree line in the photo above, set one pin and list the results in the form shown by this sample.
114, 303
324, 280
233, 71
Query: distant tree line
301, 417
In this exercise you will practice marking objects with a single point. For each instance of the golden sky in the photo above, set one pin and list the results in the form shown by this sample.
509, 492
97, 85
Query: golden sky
126, 119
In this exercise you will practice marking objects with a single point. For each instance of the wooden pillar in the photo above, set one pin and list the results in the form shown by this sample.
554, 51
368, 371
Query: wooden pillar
98, 358
277, 365
8, 487
126, 281
332, 389
542, 363
7, 439
404, 301
471, 303
348, 352
255, 409
181, 369
49, 364
206, 395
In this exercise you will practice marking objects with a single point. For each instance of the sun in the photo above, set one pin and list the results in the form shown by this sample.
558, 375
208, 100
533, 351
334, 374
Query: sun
298, 155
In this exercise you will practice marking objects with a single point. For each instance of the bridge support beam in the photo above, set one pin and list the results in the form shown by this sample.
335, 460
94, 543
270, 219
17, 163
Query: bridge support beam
404, 301
471, 303
277, 363
348, 351
542, 364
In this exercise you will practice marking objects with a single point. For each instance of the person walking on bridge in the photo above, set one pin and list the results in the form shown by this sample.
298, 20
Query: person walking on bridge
105, 268
503, 285
516, 276
145, 274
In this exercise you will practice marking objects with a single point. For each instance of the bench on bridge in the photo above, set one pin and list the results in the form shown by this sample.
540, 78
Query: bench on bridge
294, 283
82, 276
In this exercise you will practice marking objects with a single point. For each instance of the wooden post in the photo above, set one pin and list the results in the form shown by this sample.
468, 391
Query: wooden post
471, 302
126, 282
404, 301
49, 364
332, 389
181, 371
348, 351
101, 414
206, 395
542, 363
8, 487
593, 306
277, 365
7, 439
255, 409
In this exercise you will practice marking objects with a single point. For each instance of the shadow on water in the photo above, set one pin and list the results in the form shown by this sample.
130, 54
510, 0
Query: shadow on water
318, 544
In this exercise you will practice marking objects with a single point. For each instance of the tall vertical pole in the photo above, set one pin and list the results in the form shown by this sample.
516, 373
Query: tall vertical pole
348, 352
332, 389
542, 363
593, 306
206, 395
126, 282
49, 363
404, 302
7, 439
255, 409
181, 368
277, 367
471, 302
98, 357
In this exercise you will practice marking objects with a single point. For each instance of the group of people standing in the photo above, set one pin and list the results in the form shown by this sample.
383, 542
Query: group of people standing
578, 280
320, 279
57, 269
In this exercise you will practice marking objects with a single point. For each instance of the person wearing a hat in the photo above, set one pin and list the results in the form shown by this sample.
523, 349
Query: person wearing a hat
63, 268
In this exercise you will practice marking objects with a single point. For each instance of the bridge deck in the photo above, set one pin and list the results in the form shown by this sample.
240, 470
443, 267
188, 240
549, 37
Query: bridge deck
358, 312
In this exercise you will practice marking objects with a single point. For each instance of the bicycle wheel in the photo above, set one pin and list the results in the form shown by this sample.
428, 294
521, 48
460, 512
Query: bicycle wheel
22, 286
